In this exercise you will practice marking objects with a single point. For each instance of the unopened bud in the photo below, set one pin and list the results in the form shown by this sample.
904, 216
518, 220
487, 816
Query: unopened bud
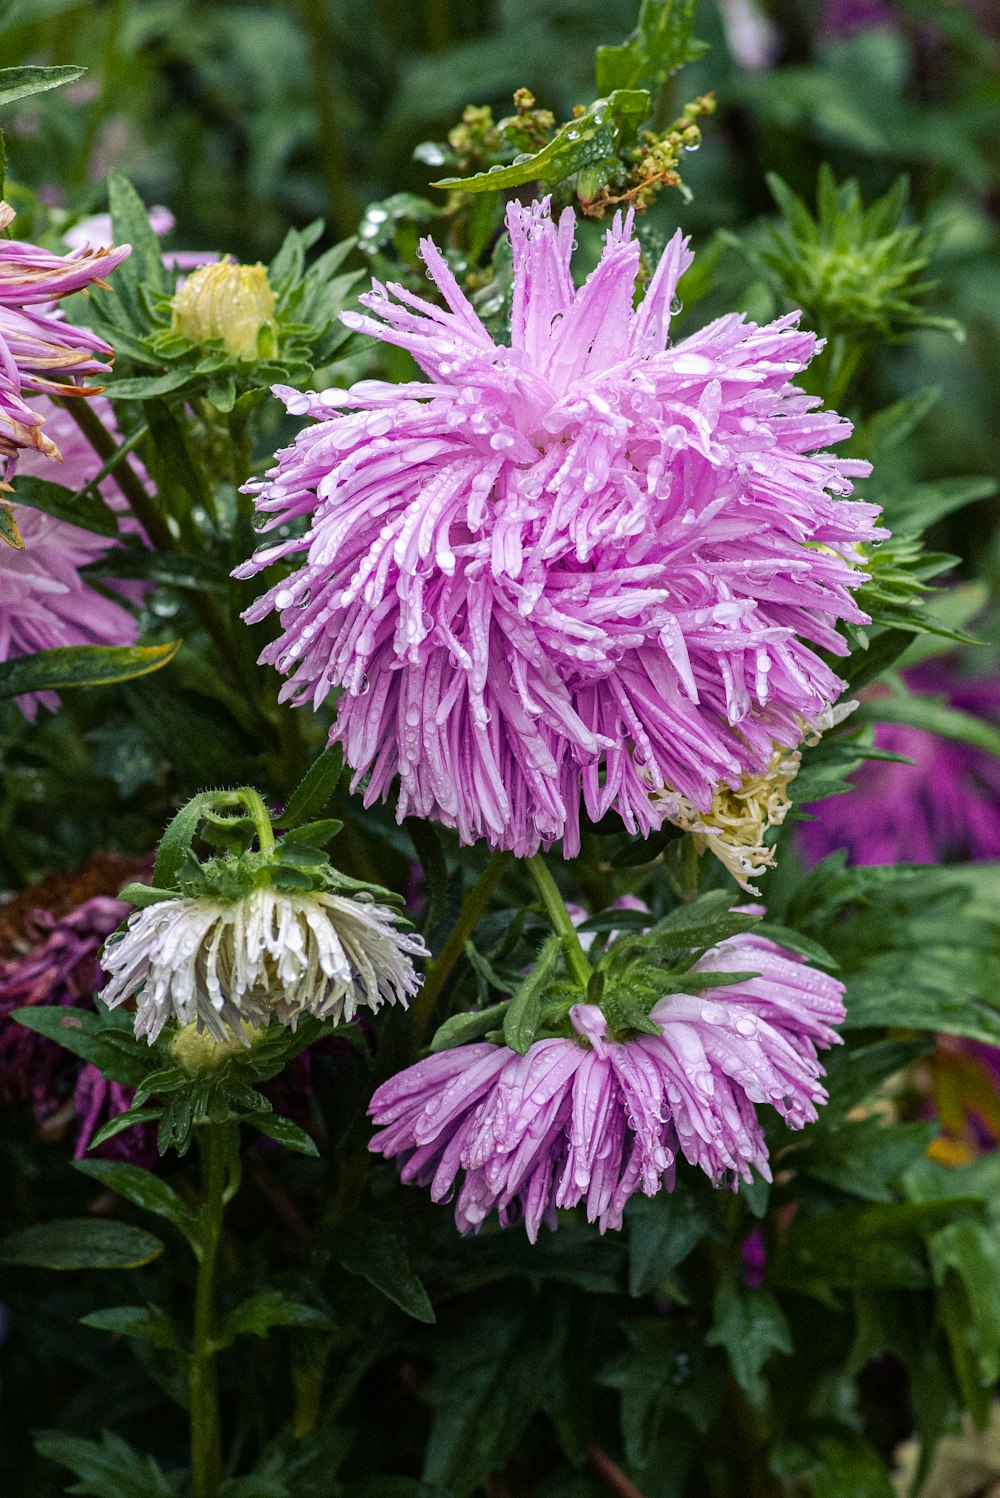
198, 1050
231, 302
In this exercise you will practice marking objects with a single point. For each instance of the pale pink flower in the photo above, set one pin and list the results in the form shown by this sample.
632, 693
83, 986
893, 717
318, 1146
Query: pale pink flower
588, 1119
590, 565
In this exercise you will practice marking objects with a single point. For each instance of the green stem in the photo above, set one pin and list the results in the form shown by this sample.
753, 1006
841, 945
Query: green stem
562, 925
144, 508
343, 208
254, 803
682, 862
140, 502
216, 1144
438, 24
476, 904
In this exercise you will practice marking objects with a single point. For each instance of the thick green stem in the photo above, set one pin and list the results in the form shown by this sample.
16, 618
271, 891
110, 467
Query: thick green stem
254, 803
215, 1141
477, 902
562, 925
140, 502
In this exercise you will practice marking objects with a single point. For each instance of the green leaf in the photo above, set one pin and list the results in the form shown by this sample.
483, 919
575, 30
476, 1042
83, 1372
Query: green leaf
864, 666
933, 715
662, 1231
524, 1011
589, 141
82, 666
108, 1468
869, 1247
842, 1466
121, 1122
80, 1243
175, 844
965, 1263
315, 790
143, 1189
785, 936
661, 43
866, 1157
704, 922
145, 1323
372, 1250
20, 83
470, 1026
88, 511
751, 1326
108, 1043
269, 1308
130, 222
928, 999
176, 569
665, 1373
9, 533
284, 1132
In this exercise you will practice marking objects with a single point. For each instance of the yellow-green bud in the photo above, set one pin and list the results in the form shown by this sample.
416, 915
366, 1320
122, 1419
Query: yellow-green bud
231, 302
196, 1050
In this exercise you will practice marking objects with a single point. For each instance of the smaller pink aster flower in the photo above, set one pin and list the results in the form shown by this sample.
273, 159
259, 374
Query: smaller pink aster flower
41, 353
585, 1119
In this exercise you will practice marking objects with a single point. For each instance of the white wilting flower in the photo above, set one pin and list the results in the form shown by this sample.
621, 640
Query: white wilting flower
223, 964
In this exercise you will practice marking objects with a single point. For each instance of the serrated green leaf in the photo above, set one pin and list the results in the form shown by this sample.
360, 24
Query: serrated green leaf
752, 1327
130, 222
965, 1262
108, 1468
595, 137
314, 791
80, 1243
662, 1231
523, 1013
82, 666
661, 43
269, 1308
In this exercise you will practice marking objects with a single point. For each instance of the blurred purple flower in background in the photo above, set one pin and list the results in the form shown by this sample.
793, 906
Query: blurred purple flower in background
946, 805
53, 960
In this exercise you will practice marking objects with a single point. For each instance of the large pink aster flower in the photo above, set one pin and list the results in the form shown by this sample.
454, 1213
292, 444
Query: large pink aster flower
41, 353
588, 563
590, 1119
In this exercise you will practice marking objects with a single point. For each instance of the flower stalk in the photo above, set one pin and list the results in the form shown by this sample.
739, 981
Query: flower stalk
475, 906
219, 1148
562, 925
